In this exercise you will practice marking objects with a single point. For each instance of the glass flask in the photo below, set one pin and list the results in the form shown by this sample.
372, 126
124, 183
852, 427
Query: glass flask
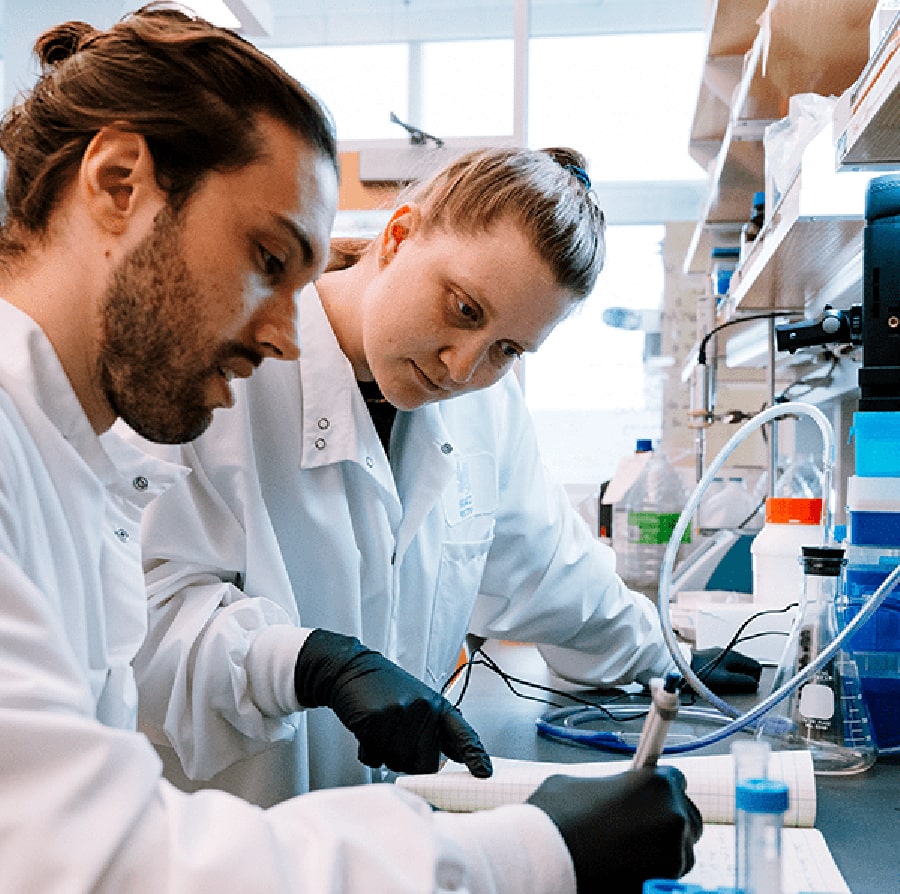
827, 714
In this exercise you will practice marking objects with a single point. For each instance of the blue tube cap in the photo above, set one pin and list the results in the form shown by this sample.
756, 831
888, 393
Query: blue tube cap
668, 886
761, 796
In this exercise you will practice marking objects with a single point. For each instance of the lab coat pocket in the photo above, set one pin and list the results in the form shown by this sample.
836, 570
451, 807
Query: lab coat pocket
459, 579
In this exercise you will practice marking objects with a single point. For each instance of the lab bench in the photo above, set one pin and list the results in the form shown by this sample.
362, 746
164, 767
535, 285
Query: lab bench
858, 815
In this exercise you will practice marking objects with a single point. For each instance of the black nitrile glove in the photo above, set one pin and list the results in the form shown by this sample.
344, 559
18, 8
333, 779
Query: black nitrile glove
398, 721
735, 674
622, 830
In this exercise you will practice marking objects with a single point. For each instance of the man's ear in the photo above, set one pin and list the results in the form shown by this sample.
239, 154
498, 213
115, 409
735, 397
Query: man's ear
403, 223
117, 177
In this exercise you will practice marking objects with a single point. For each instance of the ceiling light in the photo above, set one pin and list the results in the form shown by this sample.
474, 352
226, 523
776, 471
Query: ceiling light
252, 18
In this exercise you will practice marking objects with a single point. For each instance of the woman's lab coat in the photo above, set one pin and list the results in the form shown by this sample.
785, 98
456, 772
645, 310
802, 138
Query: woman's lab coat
294, 516
83, 806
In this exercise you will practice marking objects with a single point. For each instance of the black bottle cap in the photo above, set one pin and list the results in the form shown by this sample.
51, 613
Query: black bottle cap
822, 561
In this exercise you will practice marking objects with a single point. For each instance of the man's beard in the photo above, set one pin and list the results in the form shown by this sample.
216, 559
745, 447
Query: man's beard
149, 362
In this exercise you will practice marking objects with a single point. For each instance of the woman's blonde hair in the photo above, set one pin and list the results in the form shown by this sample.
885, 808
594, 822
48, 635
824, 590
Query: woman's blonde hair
546, 192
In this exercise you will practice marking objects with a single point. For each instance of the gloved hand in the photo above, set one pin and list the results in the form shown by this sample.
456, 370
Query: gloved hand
622, 830
735, 674
397, 720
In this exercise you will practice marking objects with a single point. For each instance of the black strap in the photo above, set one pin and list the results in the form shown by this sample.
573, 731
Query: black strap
382, 412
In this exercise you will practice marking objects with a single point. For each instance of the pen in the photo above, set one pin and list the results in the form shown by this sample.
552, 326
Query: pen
663, 708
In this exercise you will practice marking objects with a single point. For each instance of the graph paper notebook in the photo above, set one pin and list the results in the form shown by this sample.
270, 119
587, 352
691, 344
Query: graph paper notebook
808, 865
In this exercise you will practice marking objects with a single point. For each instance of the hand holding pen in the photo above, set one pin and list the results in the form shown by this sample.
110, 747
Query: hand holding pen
656, 824
663, 710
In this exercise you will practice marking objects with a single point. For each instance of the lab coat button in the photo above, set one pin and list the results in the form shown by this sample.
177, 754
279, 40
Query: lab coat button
323, 423
370, 462
446, 448
450, 876
320, 443
122, 534
140, 483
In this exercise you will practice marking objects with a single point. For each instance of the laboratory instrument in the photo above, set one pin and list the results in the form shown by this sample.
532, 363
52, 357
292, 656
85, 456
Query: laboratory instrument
563, 724
875, 325
826, 715
663, 710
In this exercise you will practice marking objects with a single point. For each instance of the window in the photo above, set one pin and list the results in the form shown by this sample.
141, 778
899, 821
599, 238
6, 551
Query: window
361, 85
587, 387
467, 88
587, 365
626, 100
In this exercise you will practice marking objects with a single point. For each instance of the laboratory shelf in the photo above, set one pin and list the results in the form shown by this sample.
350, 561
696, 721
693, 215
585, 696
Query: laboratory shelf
792, 53
731, 29
808, 254
867, 119
800, 262
737, 175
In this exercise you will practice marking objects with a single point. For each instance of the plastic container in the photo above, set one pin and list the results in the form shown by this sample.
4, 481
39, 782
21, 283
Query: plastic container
801, 477
876, 437
643, 522
876, 646
619, 511
760, 805
751, 759
751, 229
791, 523
724, 260
670, 886
873, 510
729, 505
709, 512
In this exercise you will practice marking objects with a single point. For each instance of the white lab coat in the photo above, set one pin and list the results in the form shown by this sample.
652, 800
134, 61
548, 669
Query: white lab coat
293, 502
83, 807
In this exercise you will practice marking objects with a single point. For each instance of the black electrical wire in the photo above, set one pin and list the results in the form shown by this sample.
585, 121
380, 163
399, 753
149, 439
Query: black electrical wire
810, 381
480, 658
704, 672
701, 350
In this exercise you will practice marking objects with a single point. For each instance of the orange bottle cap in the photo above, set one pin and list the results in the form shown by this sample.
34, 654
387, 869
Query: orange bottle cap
794, 511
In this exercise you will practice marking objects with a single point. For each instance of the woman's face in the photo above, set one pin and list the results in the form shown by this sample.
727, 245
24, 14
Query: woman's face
449, 313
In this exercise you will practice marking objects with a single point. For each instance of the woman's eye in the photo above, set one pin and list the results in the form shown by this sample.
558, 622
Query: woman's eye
508, 349
271, 265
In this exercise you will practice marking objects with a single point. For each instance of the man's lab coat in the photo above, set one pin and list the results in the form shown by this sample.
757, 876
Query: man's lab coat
83, 807
293, 518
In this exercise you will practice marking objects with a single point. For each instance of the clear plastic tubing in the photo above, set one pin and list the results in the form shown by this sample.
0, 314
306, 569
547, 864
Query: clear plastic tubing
791, 408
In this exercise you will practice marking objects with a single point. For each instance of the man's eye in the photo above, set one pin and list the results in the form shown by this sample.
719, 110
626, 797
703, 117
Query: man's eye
271, 265
508, 349
469, 311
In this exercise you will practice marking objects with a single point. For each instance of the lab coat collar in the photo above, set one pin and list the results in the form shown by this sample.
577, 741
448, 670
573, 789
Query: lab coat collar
30, 369
336, 426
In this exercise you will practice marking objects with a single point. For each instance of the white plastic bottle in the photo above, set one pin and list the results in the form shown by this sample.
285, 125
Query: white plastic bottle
646, 517
643, 447
710, 514
791, 523
727, 504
